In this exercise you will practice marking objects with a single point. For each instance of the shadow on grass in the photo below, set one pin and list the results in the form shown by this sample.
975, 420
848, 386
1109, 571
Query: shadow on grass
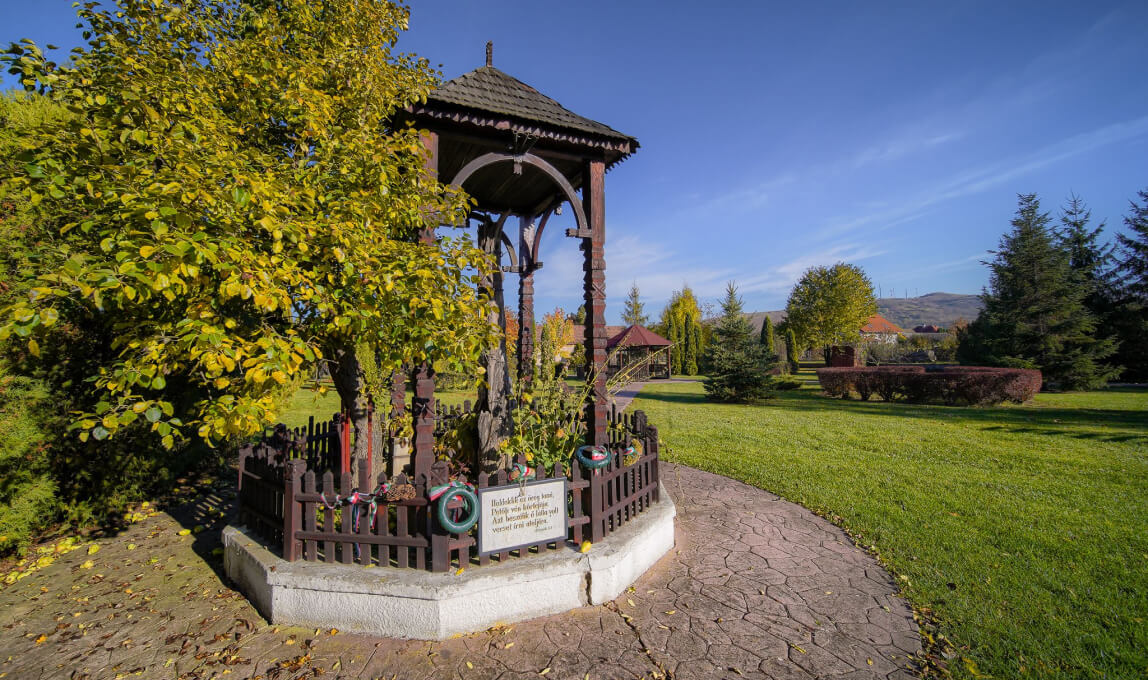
1128, 425
1112, 425
673, 397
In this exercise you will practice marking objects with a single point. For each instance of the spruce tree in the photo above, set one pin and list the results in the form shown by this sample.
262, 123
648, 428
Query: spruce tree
634, 313
1034, 312
1130, 316
1133, 257
1090, 260
739, 365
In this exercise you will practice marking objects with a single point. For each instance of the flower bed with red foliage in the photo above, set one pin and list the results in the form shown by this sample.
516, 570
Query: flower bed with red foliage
952, 385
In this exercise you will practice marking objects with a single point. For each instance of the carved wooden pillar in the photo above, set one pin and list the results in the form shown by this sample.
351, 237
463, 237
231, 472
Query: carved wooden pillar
494, 394
422, 405
594, 205
525, 299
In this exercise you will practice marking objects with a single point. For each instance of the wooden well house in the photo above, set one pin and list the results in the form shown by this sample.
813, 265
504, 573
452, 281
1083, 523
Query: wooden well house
519, 154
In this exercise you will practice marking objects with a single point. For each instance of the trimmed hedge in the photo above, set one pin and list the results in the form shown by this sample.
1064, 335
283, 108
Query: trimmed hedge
952, 385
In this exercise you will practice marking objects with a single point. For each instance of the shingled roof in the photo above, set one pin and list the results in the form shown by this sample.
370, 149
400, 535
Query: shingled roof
488, 89
637, 336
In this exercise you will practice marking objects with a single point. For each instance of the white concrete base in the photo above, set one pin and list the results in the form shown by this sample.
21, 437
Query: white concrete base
408, 603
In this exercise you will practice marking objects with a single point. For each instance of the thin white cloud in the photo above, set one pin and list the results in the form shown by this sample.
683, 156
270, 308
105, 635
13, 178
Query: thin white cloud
909, 142
990, 176
970, 262
780, 279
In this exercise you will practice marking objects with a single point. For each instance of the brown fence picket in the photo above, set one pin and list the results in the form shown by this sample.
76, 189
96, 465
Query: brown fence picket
311, 547
328, 516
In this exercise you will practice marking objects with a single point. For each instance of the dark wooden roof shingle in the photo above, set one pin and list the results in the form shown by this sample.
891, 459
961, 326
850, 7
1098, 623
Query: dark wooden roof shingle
491, 90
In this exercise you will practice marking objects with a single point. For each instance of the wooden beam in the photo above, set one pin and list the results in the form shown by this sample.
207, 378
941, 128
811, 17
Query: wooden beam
594, 292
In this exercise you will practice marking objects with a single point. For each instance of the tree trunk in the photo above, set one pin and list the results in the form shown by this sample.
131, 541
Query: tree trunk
494, 394
352, 388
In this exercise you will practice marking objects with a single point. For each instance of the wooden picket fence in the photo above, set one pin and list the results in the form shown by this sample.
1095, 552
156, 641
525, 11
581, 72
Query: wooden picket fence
290, 503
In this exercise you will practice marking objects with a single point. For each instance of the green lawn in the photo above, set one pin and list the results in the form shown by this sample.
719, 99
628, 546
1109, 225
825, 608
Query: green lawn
1023, 529
307, 403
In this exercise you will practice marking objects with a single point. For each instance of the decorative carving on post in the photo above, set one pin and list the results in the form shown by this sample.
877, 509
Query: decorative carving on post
594, 206
422, 410
494, 393
526, 300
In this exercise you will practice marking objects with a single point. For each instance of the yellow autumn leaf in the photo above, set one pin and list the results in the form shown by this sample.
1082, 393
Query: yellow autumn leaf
185, 532
93, 549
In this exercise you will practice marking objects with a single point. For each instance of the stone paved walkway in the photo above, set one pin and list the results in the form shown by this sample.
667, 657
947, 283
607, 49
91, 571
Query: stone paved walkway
755, 588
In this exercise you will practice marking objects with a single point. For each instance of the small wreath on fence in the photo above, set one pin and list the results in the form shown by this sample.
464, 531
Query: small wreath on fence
449, 520
633, 452
519, 471
592, 457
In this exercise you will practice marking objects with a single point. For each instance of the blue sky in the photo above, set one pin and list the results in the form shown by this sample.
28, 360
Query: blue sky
778, 136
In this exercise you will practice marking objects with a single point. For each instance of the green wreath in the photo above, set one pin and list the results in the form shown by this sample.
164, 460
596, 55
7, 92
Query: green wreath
597, 459
470, 504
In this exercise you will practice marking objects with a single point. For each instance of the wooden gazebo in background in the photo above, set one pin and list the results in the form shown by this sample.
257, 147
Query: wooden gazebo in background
519, 153
641, 352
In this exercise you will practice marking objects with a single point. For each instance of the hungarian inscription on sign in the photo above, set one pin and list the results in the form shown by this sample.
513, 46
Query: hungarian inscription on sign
519, 515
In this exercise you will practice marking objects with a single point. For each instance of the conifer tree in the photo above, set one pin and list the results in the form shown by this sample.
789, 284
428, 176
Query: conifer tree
673, 334
1134, 252
1090, 260
767, 335
681, 325
1034, 312
1130, 316
634, 313
739, 366
792, 351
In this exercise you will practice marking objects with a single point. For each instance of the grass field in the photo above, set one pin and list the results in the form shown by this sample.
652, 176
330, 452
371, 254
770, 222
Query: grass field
1022, 529
306, 403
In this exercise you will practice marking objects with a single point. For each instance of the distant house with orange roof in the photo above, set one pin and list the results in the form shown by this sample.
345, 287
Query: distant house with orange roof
880, 329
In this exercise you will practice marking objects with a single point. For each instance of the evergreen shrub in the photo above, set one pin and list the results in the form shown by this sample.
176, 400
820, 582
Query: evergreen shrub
951, 385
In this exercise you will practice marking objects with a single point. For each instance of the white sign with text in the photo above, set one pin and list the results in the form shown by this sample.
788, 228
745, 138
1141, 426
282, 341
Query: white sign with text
519, 515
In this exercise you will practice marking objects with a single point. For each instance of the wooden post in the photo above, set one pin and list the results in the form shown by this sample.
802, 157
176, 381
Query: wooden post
366, 477
525, 299
422, 408
345, 444
430, 162
439, 538
594, 205
292, 518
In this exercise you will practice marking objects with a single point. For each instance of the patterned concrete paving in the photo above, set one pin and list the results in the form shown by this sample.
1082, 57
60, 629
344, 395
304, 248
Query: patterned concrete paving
755, 588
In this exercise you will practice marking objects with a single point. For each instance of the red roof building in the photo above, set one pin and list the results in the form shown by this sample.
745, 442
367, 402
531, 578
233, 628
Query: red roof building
881, 329
639, 351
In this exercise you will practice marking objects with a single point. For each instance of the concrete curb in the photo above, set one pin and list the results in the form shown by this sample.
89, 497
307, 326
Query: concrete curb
408, 603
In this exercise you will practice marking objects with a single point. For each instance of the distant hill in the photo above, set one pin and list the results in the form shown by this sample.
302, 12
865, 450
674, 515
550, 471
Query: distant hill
939, 309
